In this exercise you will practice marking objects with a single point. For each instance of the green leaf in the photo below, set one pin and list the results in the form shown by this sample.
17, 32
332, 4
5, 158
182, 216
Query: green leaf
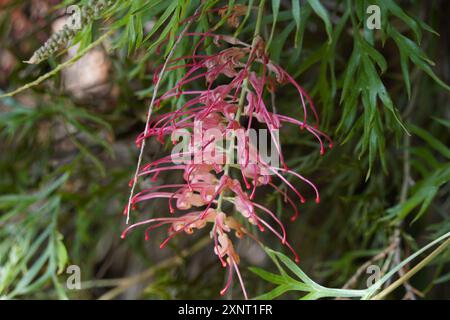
311, 296
275, 293
405, 72
422, 194
398, 11
279, 42
444, 122
275, 11
297, 17
432, 141
62, 255
373, 53
408, 48
320, 10
246, 17
350, 72
169, 11
268, 276
293, 267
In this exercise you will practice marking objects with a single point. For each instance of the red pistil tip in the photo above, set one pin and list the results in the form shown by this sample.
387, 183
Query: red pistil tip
331, 146
318, 200
293, 218
123, 235
297, 259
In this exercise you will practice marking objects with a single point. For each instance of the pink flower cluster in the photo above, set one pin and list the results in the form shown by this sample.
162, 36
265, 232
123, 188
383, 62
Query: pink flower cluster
214, 181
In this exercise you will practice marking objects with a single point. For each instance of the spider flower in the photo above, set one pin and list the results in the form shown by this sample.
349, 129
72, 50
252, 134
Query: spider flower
206, 164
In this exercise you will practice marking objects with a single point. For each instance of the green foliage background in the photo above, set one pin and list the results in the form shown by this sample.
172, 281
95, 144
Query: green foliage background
382, 95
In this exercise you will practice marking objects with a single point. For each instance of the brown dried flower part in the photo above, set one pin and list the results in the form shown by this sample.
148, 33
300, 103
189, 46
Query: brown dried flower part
260, 49
236, 12
229, 59
231, 222
280, 76
61, 38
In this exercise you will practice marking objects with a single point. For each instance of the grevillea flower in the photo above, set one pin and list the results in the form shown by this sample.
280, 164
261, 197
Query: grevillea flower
211, 117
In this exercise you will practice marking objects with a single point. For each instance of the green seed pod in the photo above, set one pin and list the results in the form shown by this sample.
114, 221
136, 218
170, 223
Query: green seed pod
60, 39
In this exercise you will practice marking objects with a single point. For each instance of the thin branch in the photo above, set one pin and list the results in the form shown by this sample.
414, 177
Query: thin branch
60, 67
352, 281
412, 272
150, 111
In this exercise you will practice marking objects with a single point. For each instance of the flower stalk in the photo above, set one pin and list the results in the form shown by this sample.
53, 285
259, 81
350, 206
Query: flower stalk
212, 118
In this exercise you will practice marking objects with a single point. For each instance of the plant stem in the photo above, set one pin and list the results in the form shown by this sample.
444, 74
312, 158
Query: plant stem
150, 111
60, 67
412, 272
379, 283
242, 95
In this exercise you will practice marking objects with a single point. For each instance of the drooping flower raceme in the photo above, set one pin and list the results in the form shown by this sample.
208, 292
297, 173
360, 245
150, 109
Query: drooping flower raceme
221, 161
